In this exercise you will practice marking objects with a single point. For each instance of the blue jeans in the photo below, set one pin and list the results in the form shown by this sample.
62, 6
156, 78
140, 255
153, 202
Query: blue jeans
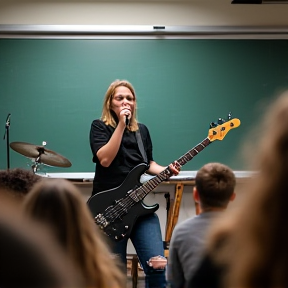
147, 240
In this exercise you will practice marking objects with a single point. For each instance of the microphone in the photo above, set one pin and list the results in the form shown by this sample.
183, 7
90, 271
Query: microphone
127, 120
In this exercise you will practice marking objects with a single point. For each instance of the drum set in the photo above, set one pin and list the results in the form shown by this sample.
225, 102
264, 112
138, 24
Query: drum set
40, 155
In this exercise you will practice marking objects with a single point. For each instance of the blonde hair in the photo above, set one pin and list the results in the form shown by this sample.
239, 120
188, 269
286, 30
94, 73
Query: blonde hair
59, 204
107, 117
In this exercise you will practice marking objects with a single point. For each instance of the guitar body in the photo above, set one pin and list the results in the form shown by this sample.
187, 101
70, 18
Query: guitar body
121, 227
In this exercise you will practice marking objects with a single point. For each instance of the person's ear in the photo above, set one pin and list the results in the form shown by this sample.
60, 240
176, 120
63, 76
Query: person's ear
232, 197
196, 195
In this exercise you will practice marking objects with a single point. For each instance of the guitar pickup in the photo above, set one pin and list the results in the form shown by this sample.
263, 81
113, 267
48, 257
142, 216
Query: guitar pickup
101, 221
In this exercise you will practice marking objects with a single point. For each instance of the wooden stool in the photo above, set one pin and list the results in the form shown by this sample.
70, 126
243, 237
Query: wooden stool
134, 269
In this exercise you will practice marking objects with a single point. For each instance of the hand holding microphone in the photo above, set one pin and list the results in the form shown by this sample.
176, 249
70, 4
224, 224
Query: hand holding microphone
127, 120
127, 114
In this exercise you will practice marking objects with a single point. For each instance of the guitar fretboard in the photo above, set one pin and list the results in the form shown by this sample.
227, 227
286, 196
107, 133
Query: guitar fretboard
141, 192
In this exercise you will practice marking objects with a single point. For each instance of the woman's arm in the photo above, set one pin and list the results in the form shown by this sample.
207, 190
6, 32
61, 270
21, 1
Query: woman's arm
108, 152
155, 168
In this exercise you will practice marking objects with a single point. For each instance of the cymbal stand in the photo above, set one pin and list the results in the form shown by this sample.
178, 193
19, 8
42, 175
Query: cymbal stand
37, 160
7, 126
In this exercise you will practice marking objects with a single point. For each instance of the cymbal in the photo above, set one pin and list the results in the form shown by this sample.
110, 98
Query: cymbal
46, 156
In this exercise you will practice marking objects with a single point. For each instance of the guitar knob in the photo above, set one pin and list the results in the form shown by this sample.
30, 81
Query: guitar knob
213, 125
126, 227
221, 121
116, 237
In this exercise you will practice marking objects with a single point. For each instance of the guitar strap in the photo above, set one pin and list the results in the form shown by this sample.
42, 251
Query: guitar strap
140, 145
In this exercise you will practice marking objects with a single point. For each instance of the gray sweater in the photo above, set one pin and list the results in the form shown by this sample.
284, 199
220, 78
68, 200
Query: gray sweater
186, 248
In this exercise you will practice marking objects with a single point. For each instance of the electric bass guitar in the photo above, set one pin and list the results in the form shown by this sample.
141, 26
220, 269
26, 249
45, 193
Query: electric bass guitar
116, 210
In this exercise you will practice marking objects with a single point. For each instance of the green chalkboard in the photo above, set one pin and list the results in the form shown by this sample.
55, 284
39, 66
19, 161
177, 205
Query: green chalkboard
54, 88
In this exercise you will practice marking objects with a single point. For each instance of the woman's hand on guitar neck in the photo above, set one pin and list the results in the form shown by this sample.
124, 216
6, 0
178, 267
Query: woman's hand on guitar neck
175, 168
155, 168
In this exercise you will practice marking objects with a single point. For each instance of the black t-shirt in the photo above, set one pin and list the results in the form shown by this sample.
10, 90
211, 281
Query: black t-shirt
126, 159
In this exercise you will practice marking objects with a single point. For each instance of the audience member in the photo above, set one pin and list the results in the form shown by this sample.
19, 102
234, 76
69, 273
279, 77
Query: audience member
249, 247
214, 188
16, 183
29, 256
60, 205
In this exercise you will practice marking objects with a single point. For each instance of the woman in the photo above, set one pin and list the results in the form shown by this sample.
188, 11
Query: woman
59, 204
116, 152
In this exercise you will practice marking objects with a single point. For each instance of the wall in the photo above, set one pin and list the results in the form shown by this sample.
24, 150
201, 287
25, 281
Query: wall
109, 12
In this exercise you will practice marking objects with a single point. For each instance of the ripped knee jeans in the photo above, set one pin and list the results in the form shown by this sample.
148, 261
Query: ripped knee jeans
147, 240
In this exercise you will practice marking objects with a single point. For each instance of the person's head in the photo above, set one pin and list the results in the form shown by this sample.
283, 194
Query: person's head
120, 94
59, 204
214, 186
16, 183
30, 256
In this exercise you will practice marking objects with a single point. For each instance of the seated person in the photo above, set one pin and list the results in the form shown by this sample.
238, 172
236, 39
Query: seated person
214, 189
30, 256
58, 204
248, 247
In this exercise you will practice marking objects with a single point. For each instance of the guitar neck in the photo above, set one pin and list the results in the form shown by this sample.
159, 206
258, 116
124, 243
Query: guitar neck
150, 185
193, 152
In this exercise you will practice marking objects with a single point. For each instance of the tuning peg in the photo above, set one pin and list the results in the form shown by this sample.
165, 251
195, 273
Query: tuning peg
213, 124
220, 121
229, 116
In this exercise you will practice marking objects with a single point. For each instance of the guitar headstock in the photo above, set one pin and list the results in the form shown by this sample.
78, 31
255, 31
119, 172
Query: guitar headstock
219, 129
